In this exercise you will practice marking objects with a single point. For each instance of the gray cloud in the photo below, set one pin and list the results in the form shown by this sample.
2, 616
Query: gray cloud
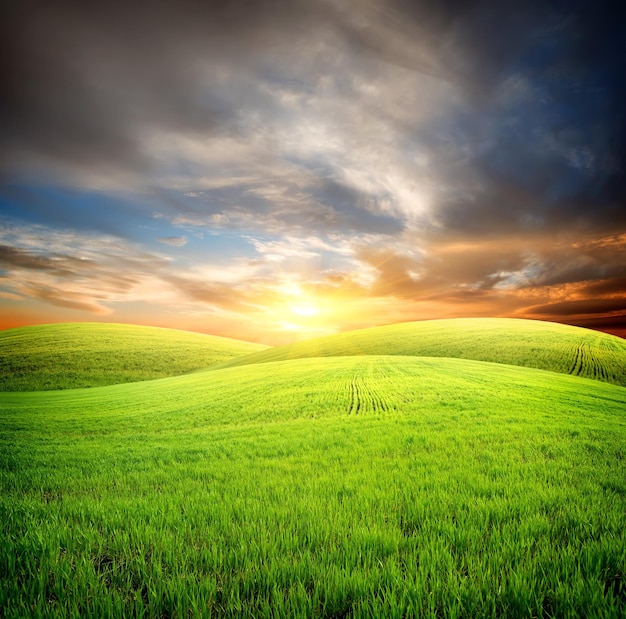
92, 88
84, 81
16, 257
65, 299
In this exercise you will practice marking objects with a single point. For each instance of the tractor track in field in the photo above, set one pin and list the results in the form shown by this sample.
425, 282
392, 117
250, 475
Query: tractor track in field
587, 364
577, 365
355, 397
376, 400
364, 398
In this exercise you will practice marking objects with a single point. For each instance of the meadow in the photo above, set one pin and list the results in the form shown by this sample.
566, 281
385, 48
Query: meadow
340, 486
529, 343
83, 354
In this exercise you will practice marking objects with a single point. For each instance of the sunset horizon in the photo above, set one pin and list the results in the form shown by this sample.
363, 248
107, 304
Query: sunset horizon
313, 308
290, 335
277, 171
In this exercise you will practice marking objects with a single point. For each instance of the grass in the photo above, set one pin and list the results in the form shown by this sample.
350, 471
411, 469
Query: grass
72, 355
529, 343
324, 487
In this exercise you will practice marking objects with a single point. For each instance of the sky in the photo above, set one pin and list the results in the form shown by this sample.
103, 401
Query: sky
273, 170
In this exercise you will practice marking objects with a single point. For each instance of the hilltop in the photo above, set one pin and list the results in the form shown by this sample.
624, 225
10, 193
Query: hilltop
529, 343
89, 354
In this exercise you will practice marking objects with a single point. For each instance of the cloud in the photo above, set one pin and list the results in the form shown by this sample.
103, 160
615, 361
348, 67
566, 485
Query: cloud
100, 274
580, 307
70, 300
528, 276
16, 257
390, 108
174, 241
86, 84
453, 152
614, 323
71, 270
384, 279
609, 286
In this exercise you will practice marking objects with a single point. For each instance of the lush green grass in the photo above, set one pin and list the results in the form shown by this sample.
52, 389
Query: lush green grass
347, 486
64, 356
529, 343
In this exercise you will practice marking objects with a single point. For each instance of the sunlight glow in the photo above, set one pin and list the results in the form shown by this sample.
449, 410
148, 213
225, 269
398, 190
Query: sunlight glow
300, 313
306, 310
290, 326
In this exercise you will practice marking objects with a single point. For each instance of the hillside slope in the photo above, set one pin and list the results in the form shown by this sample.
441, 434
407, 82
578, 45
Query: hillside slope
327, 487
528, 343
327, 387
71, 355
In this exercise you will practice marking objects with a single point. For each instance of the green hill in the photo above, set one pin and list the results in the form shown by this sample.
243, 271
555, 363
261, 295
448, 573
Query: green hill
70, 355
529, 343
368, 486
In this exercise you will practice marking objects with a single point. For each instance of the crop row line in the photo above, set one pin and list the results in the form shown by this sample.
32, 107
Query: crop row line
355, 397
364, 397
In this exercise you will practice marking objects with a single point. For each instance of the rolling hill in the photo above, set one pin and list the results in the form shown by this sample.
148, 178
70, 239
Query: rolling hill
528, 343
324, 387
340, 477
73, 355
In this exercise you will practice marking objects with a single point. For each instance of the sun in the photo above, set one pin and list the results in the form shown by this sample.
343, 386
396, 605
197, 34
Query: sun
305, 310
300, 312
303, 315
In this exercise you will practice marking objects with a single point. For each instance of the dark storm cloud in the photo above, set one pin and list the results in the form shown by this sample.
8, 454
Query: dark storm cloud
537, 139
556, 270
466, 42
551, 136
81, 76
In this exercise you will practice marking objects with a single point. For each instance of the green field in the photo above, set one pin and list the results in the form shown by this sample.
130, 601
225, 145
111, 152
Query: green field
530, 343
342, 486
82, 354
